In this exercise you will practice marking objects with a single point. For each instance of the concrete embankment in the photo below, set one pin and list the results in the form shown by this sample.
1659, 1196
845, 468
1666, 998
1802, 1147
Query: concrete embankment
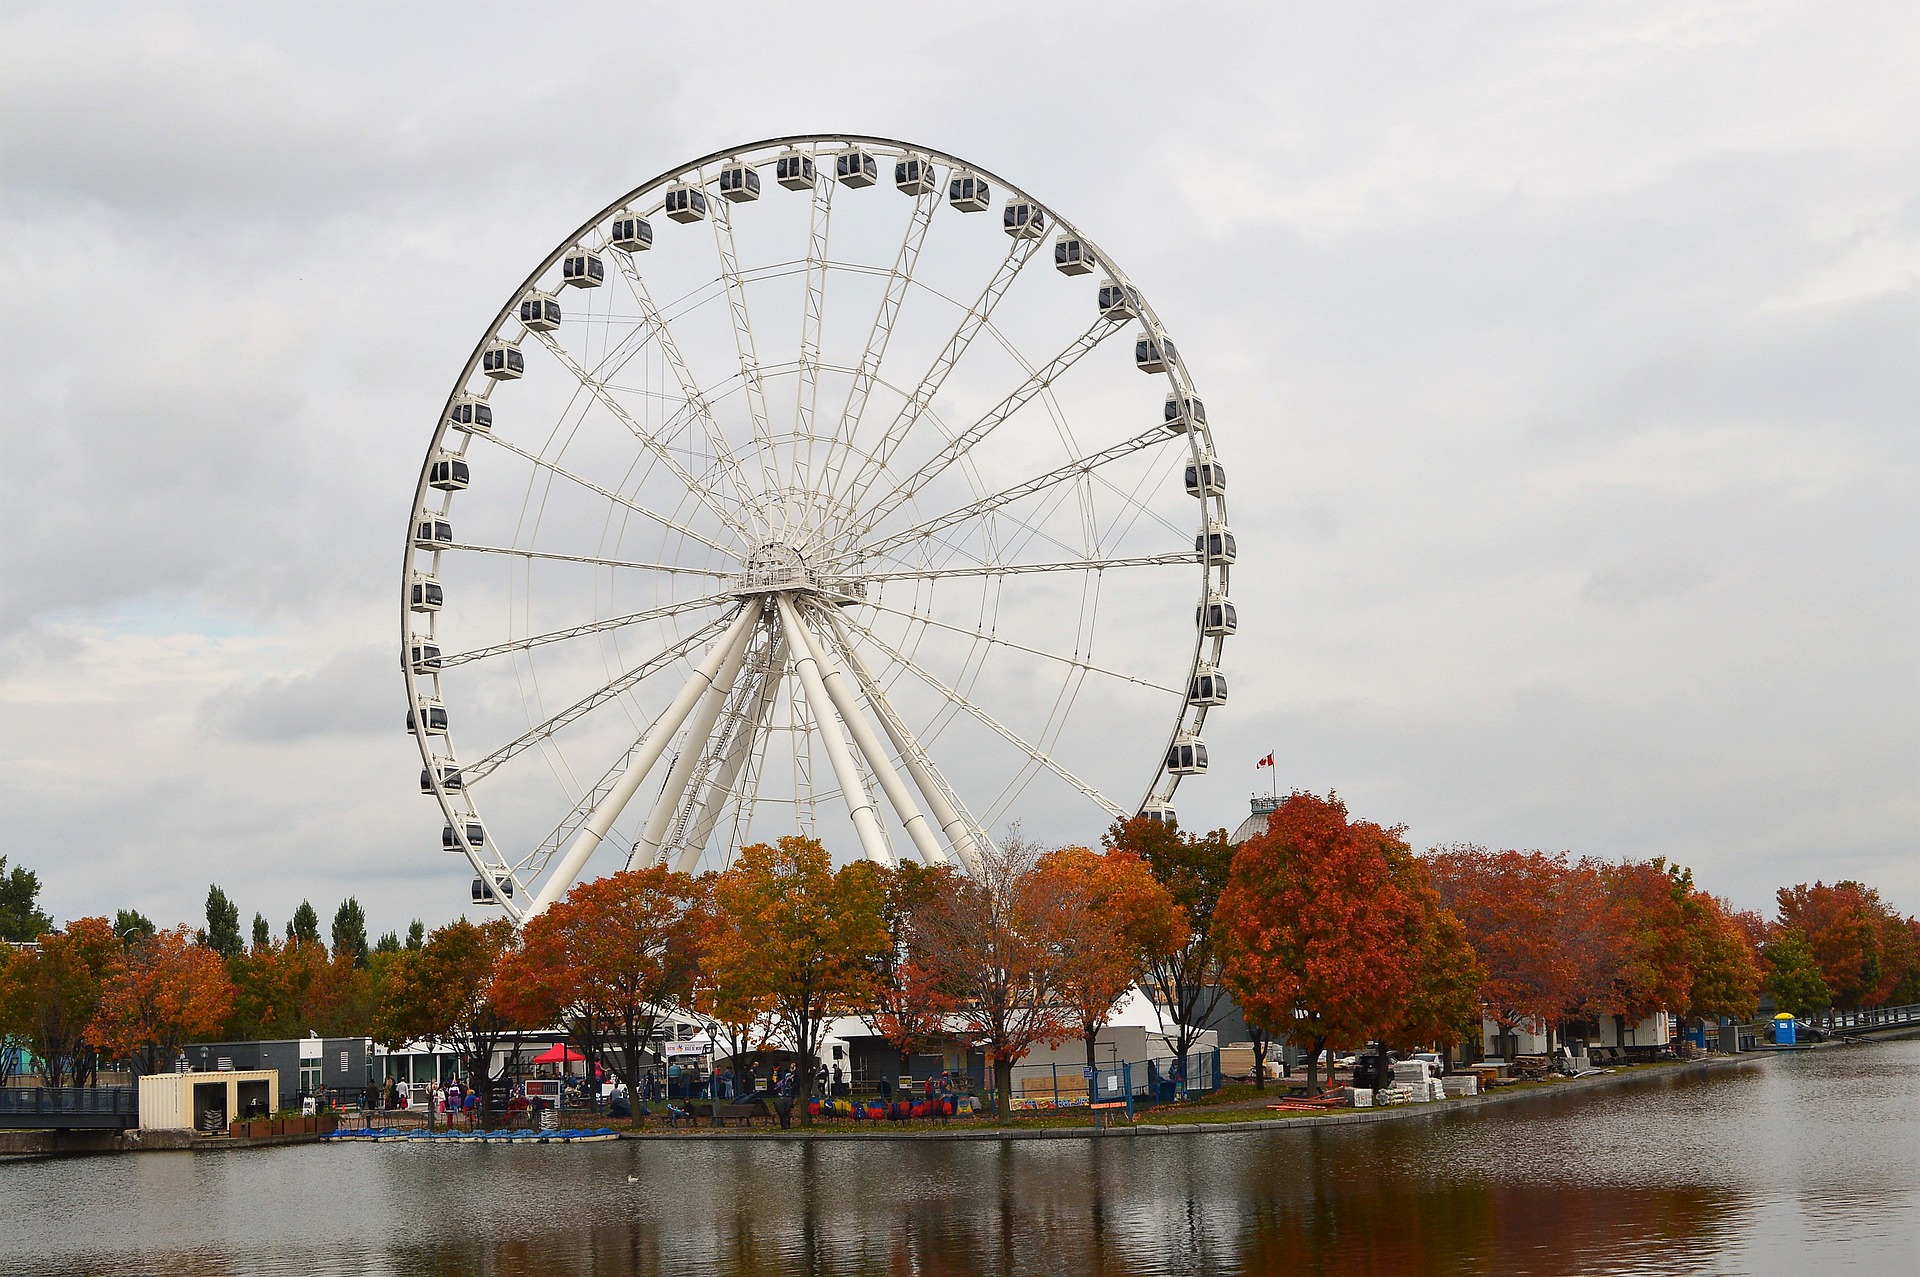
85, 1143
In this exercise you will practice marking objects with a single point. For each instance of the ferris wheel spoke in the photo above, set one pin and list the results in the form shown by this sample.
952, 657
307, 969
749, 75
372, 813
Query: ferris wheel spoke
624, 502
954, 697
599, 391
749, 355
1015, 569
818, 221
967, 439
690, 391
875, 350
1018, 255
670, 569
591, 701
986, 637
738, 736
580, 631
1007, 496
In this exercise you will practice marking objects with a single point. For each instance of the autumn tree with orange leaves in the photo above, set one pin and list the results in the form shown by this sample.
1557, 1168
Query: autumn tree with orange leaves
163, 991
1184, 978
1864, 948
1321, 926
1102, 918
50, 995
612, 956
442, 992
792, 933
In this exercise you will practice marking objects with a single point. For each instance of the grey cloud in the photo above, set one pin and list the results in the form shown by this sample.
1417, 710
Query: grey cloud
354, 693
1649, 576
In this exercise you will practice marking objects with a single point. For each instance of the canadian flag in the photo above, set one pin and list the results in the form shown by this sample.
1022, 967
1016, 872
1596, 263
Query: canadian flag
1265, 762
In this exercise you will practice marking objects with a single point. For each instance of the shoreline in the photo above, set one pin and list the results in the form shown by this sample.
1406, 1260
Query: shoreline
1308, 1121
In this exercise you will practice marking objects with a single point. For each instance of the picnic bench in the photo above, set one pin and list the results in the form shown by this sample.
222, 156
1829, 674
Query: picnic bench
744, 1112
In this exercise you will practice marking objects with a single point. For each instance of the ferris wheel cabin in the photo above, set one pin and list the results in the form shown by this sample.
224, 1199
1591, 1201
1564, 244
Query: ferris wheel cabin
449, 773
915, 175
1160, 813
631, 233
1208, 686
425, 595
739, 183
1118, 301
424, 657
1217, 617
969, 193
583, 270
1183, 413
1071, 256
502, 889
470, 413
1188, 755
1206, 477
1153, 353
685, 203
476, 836
448, 473
1023, 219
795, 171
856, 168
429, 717
1216, 544
540, 312
503, 361
431, 532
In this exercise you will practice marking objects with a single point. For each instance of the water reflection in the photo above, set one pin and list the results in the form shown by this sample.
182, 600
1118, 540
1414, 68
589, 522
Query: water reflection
1798, 1164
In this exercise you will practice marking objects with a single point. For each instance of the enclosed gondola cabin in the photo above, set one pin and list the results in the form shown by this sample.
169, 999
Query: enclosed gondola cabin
1217, 617
446, 769
502, 889
1118, 301
1071, 256
915, 175
969, 193
1152, 353
540, 313
448, 473
1188, 755
1206, 477
1208, 686
631, 233
425, 594
795, 171
450, 836
1216, 544
1182, 413
685, 203
583, 270
1159, 813
503, 361
1023, 219
428, 717
470, 414
856, 168
739, 183
432, 532
424, 657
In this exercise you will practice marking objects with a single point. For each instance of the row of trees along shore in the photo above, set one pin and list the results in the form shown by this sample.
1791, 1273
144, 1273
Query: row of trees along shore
1326, 930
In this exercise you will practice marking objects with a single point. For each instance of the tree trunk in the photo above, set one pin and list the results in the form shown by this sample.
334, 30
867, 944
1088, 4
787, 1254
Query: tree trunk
1090, 1038
1260, 1041
1002, 1087
1313, 1067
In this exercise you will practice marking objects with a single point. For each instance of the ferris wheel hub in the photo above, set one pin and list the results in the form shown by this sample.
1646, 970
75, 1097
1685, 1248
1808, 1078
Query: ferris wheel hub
779, 567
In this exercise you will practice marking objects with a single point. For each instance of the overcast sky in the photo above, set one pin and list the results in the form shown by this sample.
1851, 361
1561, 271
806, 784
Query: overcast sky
1564, 357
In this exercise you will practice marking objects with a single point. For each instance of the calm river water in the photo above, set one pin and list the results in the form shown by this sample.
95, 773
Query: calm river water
1802, 1164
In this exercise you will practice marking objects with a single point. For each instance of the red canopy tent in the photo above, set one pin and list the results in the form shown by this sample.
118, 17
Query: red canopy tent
559, 1053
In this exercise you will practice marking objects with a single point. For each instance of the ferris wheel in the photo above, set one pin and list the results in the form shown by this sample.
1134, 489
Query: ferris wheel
798, 491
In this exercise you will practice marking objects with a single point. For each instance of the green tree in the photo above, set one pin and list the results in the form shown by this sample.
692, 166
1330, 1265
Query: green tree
1185, 978
131, 924
223, 924
262, 932
21, 919
416, 935
305, 926
1794, 981
350, 932
389, 942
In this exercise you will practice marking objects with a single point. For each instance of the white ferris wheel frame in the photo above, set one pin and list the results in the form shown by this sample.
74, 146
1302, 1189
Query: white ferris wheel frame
798, 619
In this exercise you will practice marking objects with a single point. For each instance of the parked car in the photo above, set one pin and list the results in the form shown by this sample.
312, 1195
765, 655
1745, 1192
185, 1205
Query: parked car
1436, 1066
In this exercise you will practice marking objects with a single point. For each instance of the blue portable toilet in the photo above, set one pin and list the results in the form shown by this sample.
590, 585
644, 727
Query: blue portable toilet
1783, 1030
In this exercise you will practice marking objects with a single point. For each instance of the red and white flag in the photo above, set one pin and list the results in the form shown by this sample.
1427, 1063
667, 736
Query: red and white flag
1265, 762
